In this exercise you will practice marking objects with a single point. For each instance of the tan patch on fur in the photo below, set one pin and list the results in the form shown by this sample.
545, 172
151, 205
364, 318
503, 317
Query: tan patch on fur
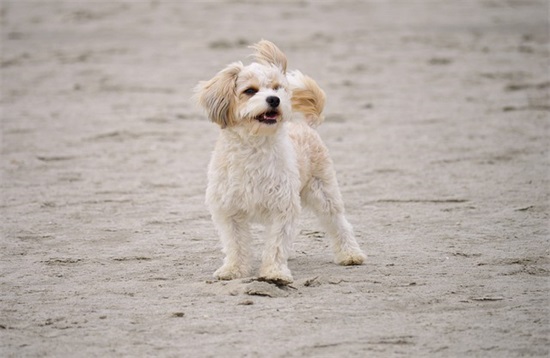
309, 99
218, 95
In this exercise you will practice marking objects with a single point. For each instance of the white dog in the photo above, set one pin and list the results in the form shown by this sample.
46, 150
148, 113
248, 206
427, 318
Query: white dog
267, 164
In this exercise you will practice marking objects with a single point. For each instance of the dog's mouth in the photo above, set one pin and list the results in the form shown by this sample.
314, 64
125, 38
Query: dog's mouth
269, 117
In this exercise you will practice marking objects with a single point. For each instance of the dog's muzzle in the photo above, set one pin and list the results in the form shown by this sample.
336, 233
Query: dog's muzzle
270, 117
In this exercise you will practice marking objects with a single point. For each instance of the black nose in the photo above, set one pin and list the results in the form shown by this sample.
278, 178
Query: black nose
273, 101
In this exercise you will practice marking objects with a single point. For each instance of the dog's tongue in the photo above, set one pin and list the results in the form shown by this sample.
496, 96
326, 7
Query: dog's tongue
270, 116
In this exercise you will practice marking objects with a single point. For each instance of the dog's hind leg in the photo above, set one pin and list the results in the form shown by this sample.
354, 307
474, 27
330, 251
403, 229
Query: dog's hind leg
236, 240
323, 197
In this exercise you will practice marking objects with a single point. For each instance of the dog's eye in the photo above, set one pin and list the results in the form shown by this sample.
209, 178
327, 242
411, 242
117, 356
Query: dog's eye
250, 91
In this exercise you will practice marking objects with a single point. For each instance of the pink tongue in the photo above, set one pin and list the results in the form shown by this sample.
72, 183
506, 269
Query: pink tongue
270, 116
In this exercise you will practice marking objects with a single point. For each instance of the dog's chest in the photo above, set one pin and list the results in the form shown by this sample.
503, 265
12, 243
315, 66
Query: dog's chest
254, 180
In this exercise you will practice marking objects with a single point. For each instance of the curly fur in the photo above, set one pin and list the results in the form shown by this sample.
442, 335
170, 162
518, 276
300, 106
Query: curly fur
267, 164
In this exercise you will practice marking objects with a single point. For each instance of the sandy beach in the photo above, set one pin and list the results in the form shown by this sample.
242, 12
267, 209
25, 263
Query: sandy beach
438, 122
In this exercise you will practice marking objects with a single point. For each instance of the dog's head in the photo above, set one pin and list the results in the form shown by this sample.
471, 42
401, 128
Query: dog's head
256, 97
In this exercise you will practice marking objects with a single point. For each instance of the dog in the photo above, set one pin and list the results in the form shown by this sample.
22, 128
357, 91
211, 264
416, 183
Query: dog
268, 163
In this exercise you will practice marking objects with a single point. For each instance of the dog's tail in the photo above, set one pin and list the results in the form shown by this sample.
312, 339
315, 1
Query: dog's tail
307, 98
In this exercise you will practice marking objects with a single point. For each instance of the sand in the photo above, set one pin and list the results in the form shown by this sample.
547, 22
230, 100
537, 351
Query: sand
438, 124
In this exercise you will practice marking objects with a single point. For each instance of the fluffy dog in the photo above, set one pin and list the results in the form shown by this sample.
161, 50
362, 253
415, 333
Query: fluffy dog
268, 162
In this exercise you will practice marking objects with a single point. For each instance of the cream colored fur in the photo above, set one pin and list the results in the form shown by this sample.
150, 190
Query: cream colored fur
267, 164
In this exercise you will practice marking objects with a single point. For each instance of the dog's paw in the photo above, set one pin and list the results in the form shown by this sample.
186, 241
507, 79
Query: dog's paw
278, 276
350, 258
227, 272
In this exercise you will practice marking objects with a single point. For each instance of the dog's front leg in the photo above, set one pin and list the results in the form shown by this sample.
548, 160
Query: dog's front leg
236, 239
275, 256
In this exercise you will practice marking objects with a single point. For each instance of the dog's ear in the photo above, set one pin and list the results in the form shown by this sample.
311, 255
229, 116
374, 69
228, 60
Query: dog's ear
307, 97
218, 97
267, 53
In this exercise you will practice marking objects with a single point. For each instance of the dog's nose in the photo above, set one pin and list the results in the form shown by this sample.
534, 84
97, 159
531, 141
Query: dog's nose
273, 101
